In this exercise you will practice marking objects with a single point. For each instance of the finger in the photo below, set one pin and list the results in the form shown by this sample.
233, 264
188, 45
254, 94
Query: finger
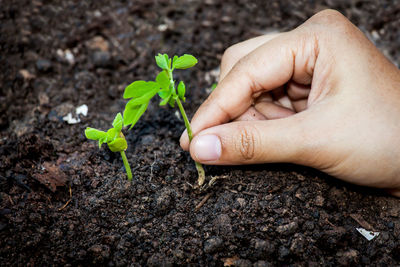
298, 91
285, 102
264, 97
300, 105
251, 114
234, 53
270, 109
273, 111
267, 67
252, 142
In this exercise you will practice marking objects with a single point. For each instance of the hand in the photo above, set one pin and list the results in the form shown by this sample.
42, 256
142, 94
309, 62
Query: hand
321, 95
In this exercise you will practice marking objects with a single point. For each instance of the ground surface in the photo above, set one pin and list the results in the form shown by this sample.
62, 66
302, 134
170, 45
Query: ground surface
254, 215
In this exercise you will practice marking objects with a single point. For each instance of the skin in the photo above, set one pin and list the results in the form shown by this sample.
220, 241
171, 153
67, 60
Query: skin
321, 95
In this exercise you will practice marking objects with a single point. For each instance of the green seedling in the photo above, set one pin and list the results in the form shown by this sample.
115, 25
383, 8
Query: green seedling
141, 92
114, 138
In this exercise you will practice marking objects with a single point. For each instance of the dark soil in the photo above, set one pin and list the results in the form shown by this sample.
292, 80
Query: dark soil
65, 202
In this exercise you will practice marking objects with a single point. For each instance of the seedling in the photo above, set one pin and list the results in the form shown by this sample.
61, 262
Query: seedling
141, 92
114, 138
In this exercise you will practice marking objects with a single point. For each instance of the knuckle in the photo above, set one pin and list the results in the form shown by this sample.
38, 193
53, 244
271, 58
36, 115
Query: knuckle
330, 24
229, 57
245, 143
332, 19
328, 15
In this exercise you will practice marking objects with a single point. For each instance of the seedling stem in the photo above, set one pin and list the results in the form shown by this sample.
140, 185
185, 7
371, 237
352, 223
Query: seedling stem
127, 167
199, 167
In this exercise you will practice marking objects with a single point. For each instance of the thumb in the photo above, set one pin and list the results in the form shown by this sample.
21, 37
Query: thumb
251, 142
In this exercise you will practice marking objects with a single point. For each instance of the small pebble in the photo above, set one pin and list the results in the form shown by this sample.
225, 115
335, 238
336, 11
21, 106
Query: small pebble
43, 65
213, 244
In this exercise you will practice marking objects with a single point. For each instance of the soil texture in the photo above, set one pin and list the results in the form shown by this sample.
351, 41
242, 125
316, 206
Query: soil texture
65, 202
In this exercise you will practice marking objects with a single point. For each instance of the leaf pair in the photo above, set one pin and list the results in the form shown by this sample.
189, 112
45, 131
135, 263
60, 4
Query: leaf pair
113, 137
141, 91
183, 62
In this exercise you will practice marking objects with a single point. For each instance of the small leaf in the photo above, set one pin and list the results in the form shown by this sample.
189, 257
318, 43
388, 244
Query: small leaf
213, 86
171, 101
139, 88
94, 134
102, 140
164, 94
184, 62
117, 123
143, 99
111, 135
181, 90
118, 145
175, 58
163, 80
168, 60
165, 99
132, 113
162, 61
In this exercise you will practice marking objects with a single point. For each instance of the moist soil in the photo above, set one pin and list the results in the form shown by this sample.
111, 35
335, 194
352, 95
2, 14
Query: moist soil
64, 201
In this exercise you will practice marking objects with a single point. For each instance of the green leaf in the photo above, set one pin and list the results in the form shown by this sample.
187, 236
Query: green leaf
213, 86
117, 123
171, 101
139, 88
164, 93
169, 61
143, 99
184, 62
94, 134
181, 90
118, 145
132, 113
112, 134
163, 80
162, 61
152, 89
165, 99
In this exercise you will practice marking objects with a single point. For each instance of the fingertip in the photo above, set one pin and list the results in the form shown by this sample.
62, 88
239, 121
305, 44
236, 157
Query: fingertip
184, 141
206, 148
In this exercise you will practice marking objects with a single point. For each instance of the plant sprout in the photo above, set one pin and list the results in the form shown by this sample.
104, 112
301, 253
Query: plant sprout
141, 92
114, 138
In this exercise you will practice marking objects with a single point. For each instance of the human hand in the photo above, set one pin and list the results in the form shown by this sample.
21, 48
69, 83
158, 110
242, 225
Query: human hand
321, 95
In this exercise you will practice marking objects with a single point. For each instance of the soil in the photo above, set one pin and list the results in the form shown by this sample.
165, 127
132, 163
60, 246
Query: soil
65, 202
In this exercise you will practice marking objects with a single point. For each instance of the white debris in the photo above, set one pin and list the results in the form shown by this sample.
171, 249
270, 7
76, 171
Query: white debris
375, 35
211, 76
178, 115
70, 119
97, 14
162, 27
69, 57
66, 55
60, 53
83, 109
369, 235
